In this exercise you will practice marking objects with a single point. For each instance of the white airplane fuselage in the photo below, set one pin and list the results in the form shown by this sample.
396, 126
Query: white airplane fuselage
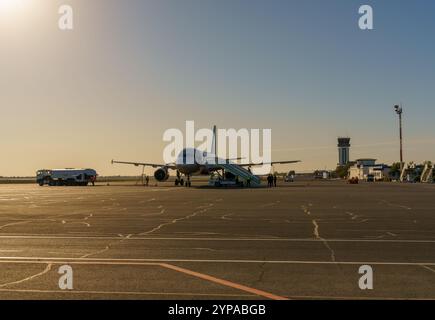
193, 162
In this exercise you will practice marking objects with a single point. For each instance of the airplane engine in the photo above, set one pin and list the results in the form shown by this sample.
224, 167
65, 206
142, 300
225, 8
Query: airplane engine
161, 174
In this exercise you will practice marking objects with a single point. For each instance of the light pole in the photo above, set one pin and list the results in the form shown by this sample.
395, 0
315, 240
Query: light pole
399, 111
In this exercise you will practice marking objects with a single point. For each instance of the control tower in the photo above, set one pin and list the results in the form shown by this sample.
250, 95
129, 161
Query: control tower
343, 150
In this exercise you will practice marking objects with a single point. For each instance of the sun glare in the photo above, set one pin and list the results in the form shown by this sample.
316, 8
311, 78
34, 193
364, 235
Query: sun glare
8, 6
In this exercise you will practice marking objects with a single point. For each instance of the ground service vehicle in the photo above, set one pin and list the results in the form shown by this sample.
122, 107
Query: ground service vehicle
66, 177
290, 177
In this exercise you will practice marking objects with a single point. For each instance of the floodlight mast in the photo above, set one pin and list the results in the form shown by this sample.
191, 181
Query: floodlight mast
399, 111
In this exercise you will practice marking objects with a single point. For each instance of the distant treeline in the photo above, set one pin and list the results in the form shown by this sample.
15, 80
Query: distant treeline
10, 180
5, 180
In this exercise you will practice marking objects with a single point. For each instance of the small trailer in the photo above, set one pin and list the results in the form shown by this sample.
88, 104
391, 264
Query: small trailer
66, 177
290, 177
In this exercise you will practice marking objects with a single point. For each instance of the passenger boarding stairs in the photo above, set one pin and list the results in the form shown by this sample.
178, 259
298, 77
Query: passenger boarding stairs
407, 168
242, 173
427, 174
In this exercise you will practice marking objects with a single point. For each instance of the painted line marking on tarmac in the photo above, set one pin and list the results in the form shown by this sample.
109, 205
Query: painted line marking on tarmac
127, 293
199, 275
106, 261
355, 298
224, 282
143, 293
216, 239
428, 268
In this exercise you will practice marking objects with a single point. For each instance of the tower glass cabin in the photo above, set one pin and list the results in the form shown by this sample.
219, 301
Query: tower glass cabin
343, 151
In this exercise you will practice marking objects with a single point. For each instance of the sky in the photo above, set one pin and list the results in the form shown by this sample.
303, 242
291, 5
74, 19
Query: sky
132, 69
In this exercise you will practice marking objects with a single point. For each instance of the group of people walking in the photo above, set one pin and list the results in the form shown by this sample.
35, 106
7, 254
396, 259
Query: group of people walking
271, 180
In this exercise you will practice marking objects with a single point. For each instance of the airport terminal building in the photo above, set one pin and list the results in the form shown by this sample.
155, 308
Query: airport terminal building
364, 169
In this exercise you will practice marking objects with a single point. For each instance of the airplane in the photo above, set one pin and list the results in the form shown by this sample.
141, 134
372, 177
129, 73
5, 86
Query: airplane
205, 163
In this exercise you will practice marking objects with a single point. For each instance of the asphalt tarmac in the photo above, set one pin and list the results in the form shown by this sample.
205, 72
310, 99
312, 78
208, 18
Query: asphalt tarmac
301, 240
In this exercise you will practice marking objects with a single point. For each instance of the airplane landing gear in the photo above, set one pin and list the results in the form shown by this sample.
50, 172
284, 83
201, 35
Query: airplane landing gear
179, 180
188, 184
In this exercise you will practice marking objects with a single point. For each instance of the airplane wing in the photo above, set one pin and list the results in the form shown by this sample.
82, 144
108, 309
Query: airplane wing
272, 163
154, 165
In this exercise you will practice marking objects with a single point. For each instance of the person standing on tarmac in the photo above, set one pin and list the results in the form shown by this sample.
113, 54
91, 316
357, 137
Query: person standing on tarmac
269, 180
274, 180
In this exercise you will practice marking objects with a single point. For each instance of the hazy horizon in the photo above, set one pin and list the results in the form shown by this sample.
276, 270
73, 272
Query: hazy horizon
130, 70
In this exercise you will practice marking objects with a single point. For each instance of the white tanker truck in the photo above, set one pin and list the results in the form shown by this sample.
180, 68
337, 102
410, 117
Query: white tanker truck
66, 177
